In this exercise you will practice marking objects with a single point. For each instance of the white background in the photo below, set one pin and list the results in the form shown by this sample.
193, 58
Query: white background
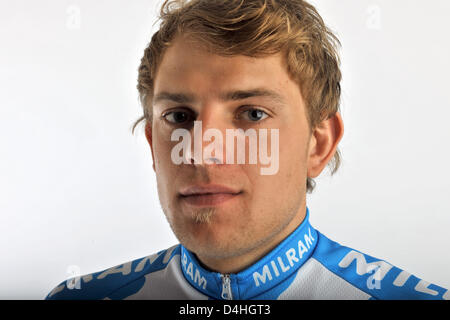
77, 191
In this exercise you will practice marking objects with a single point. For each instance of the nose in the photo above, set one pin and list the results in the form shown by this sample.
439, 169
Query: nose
209, 134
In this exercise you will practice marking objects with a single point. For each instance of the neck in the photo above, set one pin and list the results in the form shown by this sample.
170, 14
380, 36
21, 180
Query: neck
240, 262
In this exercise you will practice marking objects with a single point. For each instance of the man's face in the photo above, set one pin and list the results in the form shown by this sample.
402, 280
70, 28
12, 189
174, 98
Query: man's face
266, 204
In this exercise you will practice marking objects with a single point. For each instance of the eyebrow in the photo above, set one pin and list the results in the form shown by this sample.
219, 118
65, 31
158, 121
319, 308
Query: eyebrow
235, 95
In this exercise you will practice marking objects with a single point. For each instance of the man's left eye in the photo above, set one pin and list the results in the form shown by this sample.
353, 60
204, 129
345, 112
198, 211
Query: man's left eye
255, 115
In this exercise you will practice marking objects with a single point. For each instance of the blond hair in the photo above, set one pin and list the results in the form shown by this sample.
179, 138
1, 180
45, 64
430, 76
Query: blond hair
255, 28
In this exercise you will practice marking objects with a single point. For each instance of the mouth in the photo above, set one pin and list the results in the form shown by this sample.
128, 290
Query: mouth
208, 195
208, 200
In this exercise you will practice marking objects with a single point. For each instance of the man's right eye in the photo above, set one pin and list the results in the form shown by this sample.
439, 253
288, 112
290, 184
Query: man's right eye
177, 117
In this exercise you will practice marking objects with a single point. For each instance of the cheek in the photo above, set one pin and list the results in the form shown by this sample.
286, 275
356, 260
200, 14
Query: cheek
293, 156
162, 148
292, 164
291, 167
166, 170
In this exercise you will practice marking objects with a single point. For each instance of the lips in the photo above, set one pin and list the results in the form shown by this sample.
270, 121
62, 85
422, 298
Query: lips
208, 195
206, 189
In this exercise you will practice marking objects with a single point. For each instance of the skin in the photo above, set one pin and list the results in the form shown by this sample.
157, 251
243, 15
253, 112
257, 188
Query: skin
229, 237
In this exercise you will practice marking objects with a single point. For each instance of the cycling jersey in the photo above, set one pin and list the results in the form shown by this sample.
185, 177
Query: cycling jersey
305, 265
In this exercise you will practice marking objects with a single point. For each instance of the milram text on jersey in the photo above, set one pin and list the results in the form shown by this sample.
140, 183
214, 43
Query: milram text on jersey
305, 265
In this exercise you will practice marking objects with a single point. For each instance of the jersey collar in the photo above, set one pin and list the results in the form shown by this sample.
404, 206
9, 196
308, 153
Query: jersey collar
266, 274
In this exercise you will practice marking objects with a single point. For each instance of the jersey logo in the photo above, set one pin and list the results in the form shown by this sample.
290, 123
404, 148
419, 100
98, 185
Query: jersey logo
283, 262
195, 276
380, 269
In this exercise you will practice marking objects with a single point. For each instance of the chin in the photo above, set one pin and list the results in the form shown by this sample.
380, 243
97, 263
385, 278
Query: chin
209, 239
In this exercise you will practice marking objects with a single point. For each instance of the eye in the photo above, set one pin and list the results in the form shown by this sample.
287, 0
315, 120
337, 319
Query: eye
177, 117
255, 115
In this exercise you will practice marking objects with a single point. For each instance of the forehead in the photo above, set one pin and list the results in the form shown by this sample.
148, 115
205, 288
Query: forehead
189, 66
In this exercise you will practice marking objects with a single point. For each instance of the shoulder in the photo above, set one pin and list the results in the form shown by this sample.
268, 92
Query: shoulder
106, 283
376, 277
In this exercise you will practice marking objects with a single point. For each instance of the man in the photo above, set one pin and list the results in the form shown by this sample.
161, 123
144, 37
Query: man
265, 72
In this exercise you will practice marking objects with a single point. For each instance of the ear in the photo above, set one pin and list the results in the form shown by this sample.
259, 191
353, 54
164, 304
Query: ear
148, 135
324, 141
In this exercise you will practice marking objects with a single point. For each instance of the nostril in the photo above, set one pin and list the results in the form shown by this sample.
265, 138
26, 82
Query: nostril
213, 161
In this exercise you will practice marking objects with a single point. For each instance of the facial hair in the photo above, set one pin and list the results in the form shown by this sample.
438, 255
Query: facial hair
203, 215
